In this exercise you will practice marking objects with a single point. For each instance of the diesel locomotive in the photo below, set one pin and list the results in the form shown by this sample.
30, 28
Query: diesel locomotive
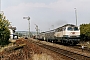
67, 34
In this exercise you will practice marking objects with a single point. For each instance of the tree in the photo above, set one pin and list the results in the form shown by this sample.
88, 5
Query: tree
4, 31
85, 31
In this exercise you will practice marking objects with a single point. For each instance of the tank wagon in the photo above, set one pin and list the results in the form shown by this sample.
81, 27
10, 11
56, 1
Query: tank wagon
67, 34
41, 36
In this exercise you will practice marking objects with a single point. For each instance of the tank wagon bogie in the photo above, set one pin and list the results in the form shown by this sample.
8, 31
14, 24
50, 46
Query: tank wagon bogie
68, 34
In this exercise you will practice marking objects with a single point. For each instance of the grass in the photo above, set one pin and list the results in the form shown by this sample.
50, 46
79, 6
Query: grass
42, 57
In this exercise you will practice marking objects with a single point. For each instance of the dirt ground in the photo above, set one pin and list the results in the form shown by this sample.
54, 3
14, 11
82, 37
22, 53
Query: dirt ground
30, 51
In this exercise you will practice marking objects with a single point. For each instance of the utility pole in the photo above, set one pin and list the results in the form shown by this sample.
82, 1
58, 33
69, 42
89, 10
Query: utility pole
53, 27
28, 18
36, 29
0, 5
76, 15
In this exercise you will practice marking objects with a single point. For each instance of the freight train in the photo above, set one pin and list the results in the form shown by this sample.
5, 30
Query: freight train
66, 34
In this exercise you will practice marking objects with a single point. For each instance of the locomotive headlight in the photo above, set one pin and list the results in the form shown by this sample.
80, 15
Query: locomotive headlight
66, 36
78, 36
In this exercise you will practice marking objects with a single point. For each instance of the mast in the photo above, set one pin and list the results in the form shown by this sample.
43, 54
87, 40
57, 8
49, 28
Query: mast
0, 5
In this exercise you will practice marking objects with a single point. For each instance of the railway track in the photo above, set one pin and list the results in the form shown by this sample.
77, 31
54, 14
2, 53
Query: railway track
86, 49
66, 54
72, 55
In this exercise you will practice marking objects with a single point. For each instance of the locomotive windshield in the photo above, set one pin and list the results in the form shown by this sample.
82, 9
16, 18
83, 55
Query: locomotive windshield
72, 29
76, 29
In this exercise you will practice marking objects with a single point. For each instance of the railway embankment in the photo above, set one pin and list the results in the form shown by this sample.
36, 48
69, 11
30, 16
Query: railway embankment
25, 49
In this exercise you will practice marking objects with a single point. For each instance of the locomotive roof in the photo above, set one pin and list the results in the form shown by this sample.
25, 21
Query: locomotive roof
67, 25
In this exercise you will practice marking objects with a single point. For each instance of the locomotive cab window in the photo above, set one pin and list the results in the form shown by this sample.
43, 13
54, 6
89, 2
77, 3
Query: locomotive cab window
76, 29
70, 29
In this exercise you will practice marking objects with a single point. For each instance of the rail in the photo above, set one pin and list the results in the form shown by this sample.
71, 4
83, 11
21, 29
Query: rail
68, 54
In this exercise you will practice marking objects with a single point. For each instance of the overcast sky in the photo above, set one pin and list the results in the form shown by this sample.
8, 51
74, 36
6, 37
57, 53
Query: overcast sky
45, 13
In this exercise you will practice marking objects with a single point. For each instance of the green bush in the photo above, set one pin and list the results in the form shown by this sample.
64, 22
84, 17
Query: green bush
4, 32
85, 31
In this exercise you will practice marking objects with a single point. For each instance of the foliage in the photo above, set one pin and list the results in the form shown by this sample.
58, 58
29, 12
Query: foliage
4, 32
85, 31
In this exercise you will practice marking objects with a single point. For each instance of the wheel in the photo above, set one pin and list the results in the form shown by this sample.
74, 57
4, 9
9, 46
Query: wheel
71, 43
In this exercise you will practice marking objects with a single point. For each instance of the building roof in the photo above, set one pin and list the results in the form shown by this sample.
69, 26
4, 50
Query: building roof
13, 28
